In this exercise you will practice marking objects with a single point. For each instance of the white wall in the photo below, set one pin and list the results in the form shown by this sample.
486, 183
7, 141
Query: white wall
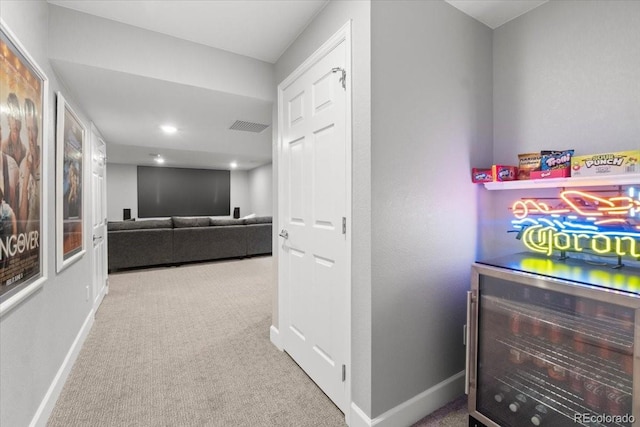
37, 335
122, 191
431, 121
261, 190
565, 76
240, 194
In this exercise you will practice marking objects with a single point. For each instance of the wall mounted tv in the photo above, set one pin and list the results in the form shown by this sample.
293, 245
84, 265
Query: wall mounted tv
166, 192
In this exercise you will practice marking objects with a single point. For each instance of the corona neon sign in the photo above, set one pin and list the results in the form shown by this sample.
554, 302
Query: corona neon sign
582, 221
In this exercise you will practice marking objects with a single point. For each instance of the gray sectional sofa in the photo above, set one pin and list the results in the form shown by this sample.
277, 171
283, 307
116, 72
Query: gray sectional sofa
179, 240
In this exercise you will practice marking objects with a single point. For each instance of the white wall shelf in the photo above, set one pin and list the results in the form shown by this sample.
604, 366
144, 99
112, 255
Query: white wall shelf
581, 181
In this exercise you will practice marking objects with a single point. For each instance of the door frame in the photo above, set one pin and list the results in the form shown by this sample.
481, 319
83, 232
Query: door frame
342, 35
97, 298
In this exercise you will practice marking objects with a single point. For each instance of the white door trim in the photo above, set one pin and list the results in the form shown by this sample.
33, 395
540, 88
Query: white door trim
342, 35
98, 295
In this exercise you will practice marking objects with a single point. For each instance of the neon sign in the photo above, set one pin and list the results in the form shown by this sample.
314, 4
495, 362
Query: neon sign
581, 221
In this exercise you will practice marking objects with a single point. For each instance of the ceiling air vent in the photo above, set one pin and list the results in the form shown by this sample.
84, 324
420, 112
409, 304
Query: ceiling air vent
248, 126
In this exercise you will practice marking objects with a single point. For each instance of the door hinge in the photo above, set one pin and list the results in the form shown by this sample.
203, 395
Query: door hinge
344, 225
344, 373
343, 78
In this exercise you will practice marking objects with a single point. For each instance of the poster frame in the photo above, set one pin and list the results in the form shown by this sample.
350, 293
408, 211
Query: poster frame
34, 283
65, 259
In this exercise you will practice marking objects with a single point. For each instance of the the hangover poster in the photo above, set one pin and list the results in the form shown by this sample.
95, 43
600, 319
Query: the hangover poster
21, 99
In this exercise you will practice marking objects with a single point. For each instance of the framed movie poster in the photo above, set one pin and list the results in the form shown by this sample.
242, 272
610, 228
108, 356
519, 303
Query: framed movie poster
70, 134
23, 176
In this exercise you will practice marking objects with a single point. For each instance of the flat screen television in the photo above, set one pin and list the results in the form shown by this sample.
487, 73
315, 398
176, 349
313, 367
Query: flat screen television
166, 192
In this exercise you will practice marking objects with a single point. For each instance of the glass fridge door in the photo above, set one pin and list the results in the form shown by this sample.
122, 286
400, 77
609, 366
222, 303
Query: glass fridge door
548, 358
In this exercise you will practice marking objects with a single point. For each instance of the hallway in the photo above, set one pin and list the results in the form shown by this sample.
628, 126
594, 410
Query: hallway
189, 346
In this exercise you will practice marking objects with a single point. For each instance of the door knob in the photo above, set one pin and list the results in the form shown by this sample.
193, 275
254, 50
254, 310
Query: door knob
284, 233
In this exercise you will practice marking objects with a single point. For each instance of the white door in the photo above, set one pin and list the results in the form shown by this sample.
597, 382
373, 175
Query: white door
99, 219
314, 194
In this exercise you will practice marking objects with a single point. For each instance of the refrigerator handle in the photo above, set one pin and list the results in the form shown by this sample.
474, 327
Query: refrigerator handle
469, 342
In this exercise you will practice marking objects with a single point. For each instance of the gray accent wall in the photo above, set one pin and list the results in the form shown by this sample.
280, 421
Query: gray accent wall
566, 76
431, 120
37, 334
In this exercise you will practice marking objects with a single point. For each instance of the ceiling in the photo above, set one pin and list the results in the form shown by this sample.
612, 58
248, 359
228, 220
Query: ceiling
128, 108
494, 13
261, 29
129, 117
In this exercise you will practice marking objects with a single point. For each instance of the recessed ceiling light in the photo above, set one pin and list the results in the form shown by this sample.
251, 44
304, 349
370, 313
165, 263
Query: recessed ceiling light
157, 158
233, 165
169, 129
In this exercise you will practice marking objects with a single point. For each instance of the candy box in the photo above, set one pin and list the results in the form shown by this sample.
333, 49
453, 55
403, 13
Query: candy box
528, 162
481, 175
604, 164
555, 159
553, 173
504, 173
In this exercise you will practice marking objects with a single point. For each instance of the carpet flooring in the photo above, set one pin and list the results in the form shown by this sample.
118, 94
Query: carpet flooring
454, 414
189, 346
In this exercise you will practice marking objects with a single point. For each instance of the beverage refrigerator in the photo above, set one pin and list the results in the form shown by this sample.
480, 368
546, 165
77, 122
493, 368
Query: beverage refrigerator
553, 343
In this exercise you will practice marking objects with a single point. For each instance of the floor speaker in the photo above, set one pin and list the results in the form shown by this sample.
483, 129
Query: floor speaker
126, 214
236, 213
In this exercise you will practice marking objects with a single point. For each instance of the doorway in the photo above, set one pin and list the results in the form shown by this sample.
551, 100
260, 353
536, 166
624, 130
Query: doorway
314, 208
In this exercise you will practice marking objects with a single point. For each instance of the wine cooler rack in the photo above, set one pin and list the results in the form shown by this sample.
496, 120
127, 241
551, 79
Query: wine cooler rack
560, 401
570, 355
604, 330
588, 367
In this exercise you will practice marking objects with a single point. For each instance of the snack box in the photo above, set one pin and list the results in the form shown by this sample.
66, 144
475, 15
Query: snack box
479, 175
528, 162
496, 173
504, 173
614, 163
553, 173
555, 159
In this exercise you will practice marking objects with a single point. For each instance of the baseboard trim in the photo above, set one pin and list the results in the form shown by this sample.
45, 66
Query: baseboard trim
357, 417
103, 292
48, 403
274, 336
414, 409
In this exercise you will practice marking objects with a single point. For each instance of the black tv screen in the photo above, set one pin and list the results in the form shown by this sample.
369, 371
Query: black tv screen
182, 192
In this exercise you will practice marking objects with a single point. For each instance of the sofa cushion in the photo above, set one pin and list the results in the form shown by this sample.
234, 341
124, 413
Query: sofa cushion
208, 243
259, 220
138, 248
140, 224
190, 221
259, 238
225, 221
